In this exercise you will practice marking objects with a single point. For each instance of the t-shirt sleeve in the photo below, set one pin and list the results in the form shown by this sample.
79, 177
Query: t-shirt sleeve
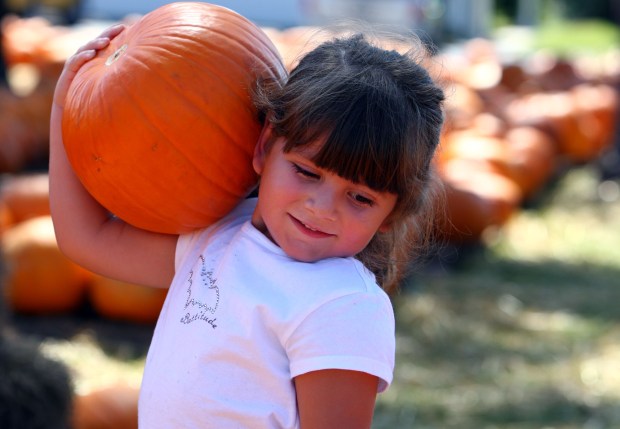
183, 247
353, 332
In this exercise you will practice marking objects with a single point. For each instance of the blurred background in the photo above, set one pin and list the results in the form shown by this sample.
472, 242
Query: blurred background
512, 323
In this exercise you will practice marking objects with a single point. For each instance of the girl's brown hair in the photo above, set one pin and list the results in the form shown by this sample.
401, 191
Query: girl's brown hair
380, 115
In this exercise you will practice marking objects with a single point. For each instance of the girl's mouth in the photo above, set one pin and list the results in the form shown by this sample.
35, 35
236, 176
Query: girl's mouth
309, 230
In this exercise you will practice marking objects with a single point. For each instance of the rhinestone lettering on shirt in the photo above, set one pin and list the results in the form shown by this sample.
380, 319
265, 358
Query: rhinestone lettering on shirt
203, 296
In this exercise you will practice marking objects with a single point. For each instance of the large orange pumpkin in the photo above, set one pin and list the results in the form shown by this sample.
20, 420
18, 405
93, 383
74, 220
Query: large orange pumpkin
160, 127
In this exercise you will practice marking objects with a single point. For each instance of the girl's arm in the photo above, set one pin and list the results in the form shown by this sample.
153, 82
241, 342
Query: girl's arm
85, 231
336, 399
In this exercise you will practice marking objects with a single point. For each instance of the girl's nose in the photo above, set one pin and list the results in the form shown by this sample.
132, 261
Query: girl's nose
322, 202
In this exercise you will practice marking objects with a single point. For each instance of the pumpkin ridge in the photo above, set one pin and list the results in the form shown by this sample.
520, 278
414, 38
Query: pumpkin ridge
231, 85
187, 207
133, 202
228, 128
219, 17
240, 22
221, 49
225, 16
230, 134
152, 123
232, 88
265, 42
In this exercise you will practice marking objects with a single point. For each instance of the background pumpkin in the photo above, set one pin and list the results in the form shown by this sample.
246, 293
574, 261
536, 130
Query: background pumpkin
129, 302
557, 114
597, 105
534, 157
160, 126
6, 219
476, 199
39, 278
25, 195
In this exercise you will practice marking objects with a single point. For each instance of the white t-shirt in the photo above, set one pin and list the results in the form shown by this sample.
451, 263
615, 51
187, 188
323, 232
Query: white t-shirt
242, 319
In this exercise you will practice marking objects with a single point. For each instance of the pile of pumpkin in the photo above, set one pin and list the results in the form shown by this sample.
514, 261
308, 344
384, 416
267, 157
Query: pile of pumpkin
39, 279
25, 107
510, 128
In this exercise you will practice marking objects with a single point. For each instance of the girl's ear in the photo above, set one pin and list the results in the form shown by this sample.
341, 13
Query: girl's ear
386, 226
388, 223
262, 148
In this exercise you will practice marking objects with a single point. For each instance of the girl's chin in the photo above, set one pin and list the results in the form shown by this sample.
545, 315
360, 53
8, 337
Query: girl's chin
301, 253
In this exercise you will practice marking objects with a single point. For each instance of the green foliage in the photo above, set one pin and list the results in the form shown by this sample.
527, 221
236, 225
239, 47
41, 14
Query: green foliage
571, 37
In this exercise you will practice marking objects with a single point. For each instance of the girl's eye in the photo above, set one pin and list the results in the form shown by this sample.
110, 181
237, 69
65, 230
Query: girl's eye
305, 173
362, 200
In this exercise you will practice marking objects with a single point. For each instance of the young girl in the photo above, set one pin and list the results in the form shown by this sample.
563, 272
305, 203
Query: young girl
274, 316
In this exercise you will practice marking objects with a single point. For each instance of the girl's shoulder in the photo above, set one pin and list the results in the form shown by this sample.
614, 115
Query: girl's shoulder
347, 275
330, 286
221, 230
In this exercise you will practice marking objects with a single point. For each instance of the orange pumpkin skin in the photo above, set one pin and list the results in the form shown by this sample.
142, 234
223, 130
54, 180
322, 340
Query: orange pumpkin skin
160, 127
117, 300
475, 200
534, 156
25, 195
39, 278
6, 218
525, 155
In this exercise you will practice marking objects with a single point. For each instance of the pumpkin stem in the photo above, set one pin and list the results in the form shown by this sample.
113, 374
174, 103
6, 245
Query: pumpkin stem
116, 55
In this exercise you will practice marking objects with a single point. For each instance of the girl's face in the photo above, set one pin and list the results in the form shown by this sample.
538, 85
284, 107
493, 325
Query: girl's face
312, 213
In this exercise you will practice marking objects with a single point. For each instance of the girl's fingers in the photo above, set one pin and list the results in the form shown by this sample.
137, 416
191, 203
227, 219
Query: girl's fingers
113, 31
77, 60
73, 64
104, 38
82, 55
96, 44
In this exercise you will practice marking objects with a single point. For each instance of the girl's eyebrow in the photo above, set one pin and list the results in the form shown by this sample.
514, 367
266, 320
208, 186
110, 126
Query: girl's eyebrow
308, 162
305, 152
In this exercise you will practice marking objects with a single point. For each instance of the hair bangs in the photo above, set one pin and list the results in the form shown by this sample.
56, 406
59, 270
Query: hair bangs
355, 146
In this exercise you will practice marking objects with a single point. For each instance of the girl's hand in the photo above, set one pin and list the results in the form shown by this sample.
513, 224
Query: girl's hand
77, 60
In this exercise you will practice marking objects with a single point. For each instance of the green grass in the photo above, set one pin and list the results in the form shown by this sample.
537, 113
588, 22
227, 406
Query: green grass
522, 333
573, 37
